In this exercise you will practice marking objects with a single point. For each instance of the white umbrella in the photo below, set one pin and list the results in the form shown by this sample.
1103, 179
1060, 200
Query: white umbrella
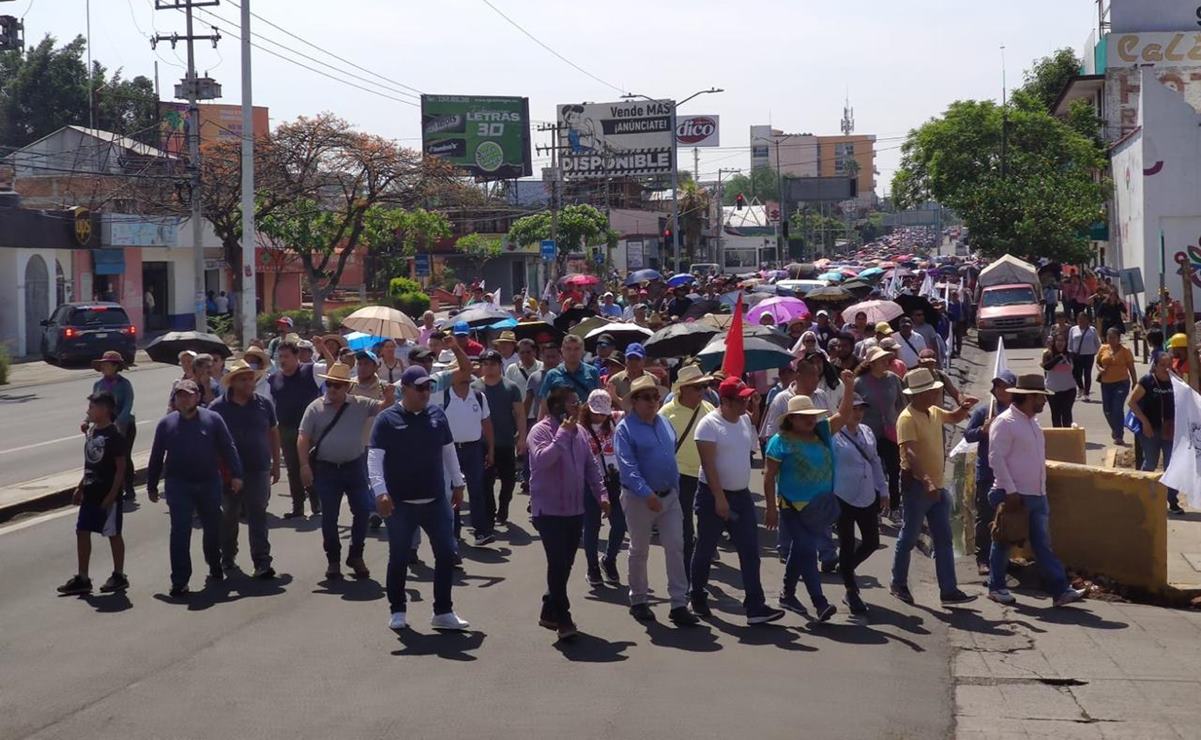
382, 321
623, 334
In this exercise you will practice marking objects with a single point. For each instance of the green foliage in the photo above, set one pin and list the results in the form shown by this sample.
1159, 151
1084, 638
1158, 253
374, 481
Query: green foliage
303, 322
398, 285
5, 364
336, 316
579, 226
694, 216
813, 229
408, 296
222, 325
1046, 79
478, 249
413, 231
448, 278
762, 184
1044, 201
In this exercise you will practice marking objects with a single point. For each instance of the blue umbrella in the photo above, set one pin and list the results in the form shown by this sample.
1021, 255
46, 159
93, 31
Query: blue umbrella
832, 276
676, 281
503, 324
357, 340
871, 272
643, 276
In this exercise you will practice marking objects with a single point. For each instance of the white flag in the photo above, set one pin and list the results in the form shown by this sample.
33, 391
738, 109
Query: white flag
894, 286
927, 290
496, 299
1184, 473
1000, 364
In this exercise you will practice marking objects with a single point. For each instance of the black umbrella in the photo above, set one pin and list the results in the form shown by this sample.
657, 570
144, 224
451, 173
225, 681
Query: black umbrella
540, 331
680, 340
911, 303
700, 308
829, 294
769, 334
167, 347
571, 317
857, 287
477, 316
758, 354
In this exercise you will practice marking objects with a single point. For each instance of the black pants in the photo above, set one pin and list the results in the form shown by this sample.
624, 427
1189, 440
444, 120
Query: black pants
984, 517
131, 434
1061, 408
504, 467
890, 456
850, 556
560, 539
1082, 371
687, 504
287, 440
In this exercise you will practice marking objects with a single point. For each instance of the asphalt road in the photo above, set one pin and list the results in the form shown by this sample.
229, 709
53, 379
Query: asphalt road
302, 657
39, 425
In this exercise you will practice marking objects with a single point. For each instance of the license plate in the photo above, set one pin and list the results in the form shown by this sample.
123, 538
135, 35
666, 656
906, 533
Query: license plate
101, 335
1011, 337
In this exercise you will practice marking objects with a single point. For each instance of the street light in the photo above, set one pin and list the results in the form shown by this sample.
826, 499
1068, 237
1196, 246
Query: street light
779, 190
675, 165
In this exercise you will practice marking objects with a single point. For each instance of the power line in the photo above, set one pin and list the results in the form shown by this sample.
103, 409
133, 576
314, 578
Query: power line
535, 39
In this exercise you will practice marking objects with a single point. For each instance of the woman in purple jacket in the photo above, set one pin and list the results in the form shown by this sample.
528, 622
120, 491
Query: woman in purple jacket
561, 464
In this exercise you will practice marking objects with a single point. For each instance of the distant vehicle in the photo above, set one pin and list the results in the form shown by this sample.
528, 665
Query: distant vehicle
702, 269
85, 331
1012, 311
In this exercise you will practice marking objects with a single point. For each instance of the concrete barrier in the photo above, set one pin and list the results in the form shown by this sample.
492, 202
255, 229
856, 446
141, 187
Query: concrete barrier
1066, 445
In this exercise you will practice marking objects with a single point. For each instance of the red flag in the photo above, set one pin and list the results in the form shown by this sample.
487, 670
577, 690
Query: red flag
735, 360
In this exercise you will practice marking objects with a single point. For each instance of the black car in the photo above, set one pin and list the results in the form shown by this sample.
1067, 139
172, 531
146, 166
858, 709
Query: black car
85, 331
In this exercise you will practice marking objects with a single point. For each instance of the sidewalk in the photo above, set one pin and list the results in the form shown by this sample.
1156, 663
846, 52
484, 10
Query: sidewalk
36, 372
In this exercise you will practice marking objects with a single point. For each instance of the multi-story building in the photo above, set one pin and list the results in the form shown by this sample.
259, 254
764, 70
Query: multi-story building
809, 155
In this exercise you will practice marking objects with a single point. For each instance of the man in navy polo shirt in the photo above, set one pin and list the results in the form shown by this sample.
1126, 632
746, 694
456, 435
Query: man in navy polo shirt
410, 453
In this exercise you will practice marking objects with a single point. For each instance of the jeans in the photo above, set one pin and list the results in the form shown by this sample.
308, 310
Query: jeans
1049, 312
802, 559
407, 519
1082, 372
744, 529
184, 498
1113, 404
592, 525
687, 506
1153, 447
252, 499
471, 462
985, 513
504, 468
671, 536
1054, 578
890, 458
287, 441
937, 513
850, 557
560, 539
130, 432
826, 550
331, 482
1061, 408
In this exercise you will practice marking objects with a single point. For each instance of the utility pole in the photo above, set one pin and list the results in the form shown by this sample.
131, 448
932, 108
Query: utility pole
718, 257
554, 128
249, 233
194, 89
675, 190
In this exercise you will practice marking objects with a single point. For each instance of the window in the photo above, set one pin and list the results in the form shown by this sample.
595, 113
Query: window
99, 316
1008, 297
737, 258
759, 151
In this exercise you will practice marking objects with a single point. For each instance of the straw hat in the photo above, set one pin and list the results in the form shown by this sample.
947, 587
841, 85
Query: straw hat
341, 340
876, 353
804, 406
258, 353
920, 380
644, 383
338, 373
506, 336
690, 375
111, 356
240, 367
1030, 385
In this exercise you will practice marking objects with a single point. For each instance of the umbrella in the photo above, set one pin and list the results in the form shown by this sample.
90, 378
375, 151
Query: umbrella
748, 299
477, 316
581, 329
760, 354
167, 347
856, 286
623, 335
849, 272
719, 321
579, 280
871, 273
876, 311
911, 303
833, 276
357, 340
768, 333
832, 294
540, 331
676, 281
642, 276
508, 323
382, 321
782, 309
571, 317
680, 340
700, 308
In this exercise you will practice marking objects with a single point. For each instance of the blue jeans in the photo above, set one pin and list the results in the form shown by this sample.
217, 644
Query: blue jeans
471, 462
592, 525
827, 552
1054, 578
937, 514
435, 518
744, 529
1153, 447
1113, 405
802, 559
332, 481
184, 498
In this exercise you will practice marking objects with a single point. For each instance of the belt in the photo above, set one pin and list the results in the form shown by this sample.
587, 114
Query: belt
467, 445
341, 465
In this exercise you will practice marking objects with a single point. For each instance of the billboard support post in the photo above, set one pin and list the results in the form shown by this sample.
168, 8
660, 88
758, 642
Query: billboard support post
675, 189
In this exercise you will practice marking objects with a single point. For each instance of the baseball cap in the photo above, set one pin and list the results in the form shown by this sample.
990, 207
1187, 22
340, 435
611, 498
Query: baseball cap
605, 339
285, 321
366, 354
858, 400
636, 350
187, 386
414, 375
823, 312
420, 354
883, 327
1007, 377
461, 329
492, 356
734, 388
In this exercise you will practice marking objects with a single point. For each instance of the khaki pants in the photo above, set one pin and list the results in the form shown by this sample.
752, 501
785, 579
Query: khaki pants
639, 520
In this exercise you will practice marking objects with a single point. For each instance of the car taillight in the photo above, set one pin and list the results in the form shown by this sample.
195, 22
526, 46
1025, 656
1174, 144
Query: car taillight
69, 333
131, 330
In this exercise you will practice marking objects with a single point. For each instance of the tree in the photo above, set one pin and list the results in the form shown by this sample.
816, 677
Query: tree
694, 205
1042, 204
414, 231
579, 226
1046, 79
762, 184
477, 249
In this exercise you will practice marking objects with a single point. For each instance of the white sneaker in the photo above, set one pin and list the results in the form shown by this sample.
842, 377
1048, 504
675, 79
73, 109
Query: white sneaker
1069, 596
398, 621
449, 621
1002, 596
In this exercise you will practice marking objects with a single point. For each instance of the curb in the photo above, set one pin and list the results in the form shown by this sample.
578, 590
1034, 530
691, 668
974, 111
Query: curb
147, 365
56, 490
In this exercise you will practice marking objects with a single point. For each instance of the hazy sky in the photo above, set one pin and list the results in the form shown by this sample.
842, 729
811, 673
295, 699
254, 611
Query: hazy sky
785, 62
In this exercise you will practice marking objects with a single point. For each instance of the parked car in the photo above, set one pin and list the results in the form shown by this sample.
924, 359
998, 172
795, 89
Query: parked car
1012, 311
85, 331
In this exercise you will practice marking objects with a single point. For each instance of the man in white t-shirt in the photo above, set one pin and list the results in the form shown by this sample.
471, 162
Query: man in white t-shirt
468, 417
725, 440
909, 343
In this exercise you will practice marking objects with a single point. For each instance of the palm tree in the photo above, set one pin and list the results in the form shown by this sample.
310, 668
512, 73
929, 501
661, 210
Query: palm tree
694, 215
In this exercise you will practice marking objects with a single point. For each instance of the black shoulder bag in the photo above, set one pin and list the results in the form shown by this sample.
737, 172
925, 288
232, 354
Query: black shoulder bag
327, 430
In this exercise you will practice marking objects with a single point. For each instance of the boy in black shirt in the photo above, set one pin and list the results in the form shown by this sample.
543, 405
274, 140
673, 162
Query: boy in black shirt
98, 495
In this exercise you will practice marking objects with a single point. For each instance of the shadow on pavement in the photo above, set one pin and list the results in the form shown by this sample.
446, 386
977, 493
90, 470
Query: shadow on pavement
300, 524
1077, 614
515, 535
485, 555
970, 620
775, 635
697, 639
351, 589
108, 603
446, 645
586, 648
616, 595
228, 590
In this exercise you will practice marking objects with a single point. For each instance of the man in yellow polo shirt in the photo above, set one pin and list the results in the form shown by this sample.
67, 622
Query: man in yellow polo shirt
687, 407
923, 459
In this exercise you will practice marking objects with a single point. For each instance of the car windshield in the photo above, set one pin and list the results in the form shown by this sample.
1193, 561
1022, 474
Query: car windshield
99, 316
1008, 297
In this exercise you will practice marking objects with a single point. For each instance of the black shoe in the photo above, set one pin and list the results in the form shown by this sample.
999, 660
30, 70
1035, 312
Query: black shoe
76, 585
792, 603
609, 571
216, 575
457, 559
700, 607
502, 516
374, 522
179, 592
415, 559
956, 597
642, 612
486, 538
567, 629
547, 619
264, 572
901, 592
316, 509
855, 603
293, 514
115, 582
1175, 510
129, 497
594, 577
333, 571
763, 615
230, 569
830, 566
358, 567
681, 617
824, 614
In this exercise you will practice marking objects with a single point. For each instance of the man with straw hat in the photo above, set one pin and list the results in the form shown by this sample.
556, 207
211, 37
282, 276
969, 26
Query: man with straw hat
923, 495
255, 431
506, 344
109, 366
1017, 453
686, 407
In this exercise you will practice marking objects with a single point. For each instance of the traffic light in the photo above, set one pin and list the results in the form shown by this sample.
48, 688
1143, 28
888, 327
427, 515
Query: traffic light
739, 202
667, 234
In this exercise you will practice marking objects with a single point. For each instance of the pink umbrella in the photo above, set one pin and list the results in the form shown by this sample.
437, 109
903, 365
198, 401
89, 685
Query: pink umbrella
784, 309
876, 311
849, 272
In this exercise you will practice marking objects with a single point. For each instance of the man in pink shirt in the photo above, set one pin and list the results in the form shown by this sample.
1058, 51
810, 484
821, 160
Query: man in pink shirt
1017, 453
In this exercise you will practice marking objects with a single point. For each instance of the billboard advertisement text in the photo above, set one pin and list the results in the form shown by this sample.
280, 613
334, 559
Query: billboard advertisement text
624, 139
488, 137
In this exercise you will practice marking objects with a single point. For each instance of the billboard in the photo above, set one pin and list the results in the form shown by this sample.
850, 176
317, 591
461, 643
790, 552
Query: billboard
818, 189
217, 122
487, 136
1134, 16
697, 131
631, 138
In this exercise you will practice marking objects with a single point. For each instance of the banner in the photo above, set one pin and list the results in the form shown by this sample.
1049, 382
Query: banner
625, 139
1184, 472
488, 137
697, 131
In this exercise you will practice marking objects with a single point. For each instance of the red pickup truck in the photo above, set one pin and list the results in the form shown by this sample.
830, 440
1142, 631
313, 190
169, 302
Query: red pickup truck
1012, 311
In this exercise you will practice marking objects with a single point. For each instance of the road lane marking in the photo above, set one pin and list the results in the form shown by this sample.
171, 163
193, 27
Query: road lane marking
31, 521
54, 441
